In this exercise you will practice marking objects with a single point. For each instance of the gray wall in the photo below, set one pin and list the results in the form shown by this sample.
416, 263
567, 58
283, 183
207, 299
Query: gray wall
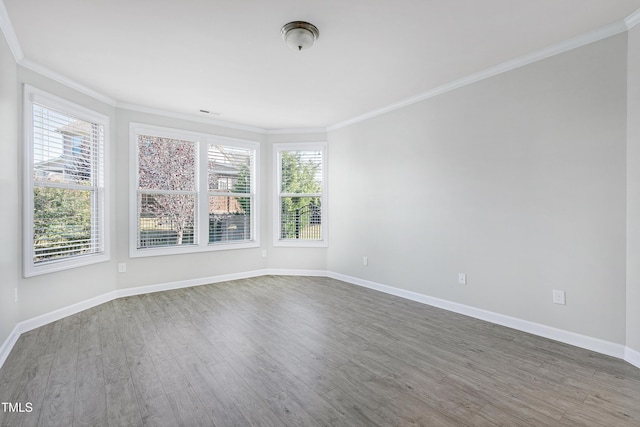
172, 268
633, 191
520, 181
10, 212
45, 293
517, 181
284, 257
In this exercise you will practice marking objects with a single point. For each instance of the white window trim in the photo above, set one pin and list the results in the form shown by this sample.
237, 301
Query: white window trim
303, 146
203, 140
34, 95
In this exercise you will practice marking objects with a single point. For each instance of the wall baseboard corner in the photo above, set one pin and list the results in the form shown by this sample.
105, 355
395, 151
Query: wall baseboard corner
36, 322
632, 356
8, 344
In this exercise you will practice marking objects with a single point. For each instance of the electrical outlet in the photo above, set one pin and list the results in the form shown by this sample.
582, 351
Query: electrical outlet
122, 267
365, 260
559, 297
264, 253
462, 279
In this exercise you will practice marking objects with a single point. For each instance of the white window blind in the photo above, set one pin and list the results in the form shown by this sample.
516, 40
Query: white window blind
231, 199
65, 188
193, 192
301, 193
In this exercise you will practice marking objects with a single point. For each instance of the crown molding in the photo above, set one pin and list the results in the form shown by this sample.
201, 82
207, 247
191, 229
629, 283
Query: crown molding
216, 122
633, 19
190, 117
288, 131
47, 72
55, 76
573, 43
10, 34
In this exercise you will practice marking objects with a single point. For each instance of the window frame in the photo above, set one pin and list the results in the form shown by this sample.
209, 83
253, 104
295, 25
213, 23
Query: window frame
278, 148
202, 142
33, 95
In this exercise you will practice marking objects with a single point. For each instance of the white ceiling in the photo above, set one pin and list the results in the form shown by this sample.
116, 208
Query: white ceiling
227, 56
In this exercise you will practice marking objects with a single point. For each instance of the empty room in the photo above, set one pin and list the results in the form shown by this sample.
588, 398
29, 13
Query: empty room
297, 213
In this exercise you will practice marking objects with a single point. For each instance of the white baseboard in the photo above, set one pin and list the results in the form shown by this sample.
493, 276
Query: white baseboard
286, 272
214, 279
126, 292
632, 356
8, 344
578, 340
36, 322
582, 341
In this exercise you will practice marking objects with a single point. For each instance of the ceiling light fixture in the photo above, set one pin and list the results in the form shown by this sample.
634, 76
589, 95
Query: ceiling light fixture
299, 35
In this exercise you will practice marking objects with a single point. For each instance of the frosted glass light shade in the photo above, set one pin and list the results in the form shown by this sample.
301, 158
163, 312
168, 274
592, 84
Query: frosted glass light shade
299, 35
299, 39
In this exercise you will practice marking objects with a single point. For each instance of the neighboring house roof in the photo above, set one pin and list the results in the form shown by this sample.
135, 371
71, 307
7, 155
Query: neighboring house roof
223, 169
79, 127
60, 164
224, 205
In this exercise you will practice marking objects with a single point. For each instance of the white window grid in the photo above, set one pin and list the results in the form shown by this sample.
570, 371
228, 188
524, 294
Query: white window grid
314, 240
46, 145
202, 193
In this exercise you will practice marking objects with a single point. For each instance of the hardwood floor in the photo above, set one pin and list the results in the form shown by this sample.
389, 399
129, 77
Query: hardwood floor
298, 351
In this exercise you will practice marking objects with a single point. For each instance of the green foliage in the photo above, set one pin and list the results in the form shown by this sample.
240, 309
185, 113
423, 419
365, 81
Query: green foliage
62, 222
243, 185
299, 176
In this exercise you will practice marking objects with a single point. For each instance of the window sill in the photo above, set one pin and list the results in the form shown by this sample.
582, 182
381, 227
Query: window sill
190, 249
66, 264
301, 243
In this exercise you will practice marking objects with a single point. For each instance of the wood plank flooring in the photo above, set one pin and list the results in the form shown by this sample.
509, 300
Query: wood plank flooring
300, 351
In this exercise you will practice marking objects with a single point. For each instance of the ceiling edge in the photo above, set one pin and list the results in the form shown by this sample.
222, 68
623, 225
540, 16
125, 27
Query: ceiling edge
10, 34
190, 117
294, 131
573, 43
593, 36
55, 76
632, 19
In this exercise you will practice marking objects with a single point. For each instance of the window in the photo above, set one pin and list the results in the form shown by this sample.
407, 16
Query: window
166, 191
231, 198
300, 205
65, 198
191, 192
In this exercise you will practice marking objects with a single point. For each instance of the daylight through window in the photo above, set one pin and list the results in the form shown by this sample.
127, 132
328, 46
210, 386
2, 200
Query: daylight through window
193, 192
65, 186
301, 192
166, 192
